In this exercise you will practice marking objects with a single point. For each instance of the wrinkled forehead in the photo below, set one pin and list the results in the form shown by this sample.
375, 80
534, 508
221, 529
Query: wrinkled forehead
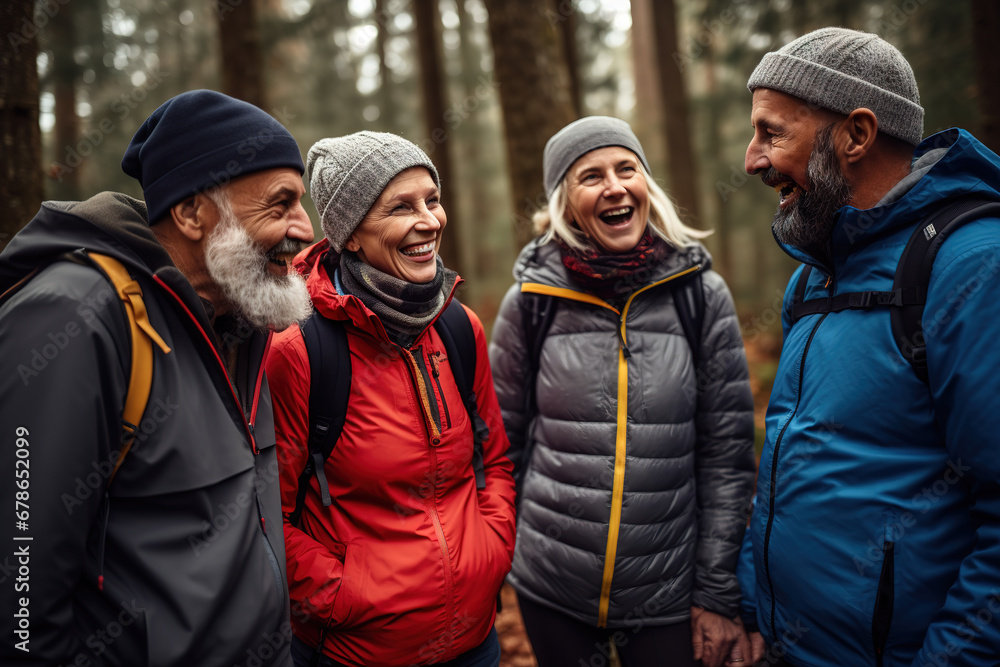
777, 111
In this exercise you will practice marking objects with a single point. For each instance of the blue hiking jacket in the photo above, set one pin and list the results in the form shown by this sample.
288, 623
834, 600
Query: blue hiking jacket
872, 485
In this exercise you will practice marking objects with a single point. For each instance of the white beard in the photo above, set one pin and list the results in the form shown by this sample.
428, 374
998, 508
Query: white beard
239, 267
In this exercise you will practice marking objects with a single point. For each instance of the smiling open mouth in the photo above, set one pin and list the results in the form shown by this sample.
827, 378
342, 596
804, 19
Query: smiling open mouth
418, 250
617, 216
282, 260
786, 191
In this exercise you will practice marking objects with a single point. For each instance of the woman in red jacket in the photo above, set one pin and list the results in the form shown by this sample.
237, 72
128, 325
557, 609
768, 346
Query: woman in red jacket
404, 563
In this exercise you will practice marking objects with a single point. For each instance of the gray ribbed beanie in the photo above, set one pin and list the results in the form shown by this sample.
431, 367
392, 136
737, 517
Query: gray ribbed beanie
843, 70
580, 137
347, 175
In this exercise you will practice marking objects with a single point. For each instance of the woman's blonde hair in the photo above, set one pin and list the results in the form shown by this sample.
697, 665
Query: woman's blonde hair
551, 222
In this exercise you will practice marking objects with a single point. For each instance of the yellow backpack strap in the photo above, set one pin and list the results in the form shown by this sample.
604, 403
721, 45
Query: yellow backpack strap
143, 335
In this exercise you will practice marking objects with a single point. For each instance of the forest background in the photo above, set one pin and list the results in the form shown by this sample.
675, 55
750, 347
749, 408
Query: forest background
480, 85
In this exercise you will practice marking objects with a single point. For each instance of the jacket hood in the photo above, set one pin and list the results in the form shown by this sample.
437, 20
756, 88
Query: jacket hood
109, 223
317, 264
542, 263
945, 166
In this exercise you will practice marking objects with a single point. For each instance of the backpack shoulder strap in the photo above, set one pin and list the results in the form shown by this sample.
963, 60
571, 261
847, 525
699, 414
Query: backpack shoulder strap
689, 298
537, 313
913, 273
329, 365
459, 339
798, 296
143, 336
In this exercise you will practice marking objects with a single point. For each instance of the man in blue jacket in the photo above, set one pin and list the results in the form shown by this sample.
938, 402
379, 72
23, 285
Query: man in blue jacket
876, 534
178, 557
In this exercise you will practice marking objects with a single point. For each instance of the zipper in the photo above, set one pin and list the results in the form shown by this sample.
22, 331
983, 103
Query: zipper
884, 595
435, 360
247, 424
433, 436
621, 431
774, 470
417, 377
432, 405
279, 581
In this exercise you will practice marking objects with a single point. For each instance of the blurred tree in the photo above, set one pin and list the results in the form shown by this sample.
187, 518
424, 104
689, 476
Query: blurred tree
682, 167
648, 119
62, 41
985, 28
386, 104
533, 78
437, 144
569, 38
21, 185
242, 59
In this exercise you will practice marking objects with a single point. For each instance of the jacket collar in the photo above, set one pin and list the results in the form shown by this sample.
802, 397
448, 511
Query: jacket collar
317, 263
542, 263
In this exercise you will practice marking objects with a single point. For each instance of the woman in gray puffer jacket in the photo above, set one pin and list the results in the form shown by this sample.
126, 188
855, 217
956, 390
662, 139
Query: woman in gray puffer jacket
633, 447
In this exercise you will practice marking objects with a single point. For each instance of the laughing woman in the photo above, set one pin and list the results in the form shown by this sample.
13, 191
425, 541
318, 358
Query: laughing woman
621, 375
398, 544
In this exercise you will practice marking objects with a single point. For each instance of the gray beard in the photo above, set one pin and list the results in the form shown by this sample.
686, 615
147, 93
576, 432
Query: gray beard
808, 223
239, 267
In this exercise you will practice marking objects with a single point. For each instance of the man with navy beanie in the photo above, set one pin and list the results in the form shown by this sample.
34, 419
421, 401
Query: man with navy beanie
134, 401
875, 539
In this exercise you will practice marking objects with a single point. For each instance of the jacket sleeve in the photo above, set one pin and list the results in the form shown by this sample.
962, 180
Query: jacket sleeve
724, 455
961, 327
314, 572
496, 501
509, 360
63, 381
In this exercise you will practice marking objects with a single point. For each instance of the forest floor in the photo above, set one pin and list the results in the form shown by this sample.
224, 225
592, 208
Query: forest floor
762, 357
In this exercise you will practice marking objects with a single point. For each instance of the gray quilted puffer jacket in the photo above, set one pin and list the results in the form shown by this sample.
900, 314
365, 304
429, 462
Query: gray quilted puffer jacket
638, 468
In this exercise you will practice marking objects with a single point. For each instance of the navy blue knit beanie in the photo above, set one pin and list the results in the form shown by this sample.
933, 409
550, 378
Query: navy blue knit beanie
201, 139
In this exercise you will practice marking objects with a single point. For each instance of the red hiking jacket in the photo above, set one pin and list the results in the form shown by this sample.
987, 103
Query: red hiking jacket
405, 566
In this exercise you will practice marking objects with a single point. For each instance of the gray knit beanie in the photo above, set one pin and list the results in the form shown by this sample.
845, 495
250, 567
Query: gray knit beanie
347, 175
579, 138
843, 70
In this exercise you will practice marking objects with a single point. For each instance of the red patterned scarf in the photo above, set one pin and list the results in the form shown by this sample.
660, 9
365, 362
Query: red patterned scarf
611, 276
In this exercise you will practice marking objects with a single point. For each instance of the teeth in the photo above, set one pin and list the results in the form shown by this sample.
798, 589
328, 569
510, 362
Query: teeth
617, 211
419, 250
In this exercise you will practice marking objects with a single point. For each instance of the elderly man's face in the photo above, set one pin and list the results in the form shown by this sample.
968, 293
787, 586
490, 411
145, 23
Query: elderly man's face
784, 130
401, 233
261, 227
268, 205
793, 150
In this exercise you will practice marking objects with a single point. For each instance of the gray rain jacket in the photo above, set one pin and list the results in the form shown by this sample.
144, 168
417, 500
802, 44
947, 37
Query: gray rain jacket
182, 562
639, 466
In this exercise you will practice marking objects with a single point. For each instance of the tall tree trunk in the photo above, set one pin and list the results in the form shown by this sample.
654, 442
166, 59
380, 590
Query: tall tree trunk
533, 80
467, 125
648, 119
66, 159
680, 157
985, 28
723, 222
242, 58
568, 25
21, 186
435, 96
387, 110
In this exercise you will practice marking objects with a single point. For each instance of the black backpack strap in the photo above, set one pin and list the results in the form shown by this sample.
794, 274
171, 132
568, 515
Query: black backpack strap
329, 364
689, 298
854, 301
537, 313
913, 273
799, 295
459, 340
